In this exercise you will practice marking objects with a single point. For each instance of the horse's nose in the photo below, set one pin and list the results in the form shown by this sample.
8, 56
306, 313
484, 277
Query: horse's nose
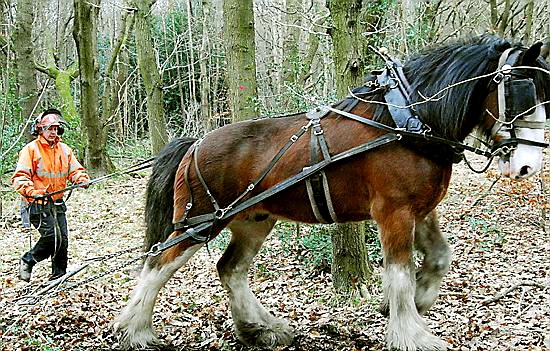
524, 172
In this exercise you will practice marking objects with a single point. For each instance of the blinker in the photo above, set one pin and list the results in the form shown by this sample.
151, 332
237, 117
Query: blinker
520, 96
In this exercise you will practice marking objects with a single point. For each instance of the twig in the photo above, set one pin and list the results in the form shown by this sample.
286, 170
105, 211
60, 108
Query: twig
481, 197
509, 290
544, 202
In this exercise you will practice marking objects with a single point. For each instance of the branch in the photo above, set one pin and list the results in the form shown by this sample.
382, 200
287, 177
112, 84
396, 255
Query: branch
509, 290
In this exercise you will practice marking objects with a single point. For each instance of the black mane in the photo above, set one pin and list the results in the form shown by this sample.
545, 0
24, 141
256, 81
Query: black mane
455, 113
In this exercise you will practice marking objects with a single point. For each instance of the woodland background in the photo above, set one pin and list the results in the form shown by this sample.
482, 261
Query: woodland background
131, 75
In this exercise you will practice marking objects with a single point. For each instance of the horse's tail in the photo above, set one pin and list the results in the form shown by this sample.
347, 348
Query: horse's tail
159, 198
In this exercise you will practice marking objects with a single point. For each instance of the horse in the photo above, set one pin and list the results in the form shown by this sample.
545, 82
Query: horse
384, 153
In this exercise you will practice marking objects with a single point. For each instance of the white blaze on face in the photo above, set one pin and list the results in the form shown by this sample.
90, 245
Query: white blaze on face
525, 160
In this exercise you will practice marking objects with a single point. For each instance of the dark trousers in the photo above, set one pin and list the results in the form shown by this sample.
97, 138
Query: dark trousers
51, 223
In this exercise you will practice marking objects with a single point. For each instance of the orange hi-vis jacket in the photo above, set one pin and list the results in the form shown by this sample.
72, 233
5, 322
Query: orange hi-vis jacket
46, 168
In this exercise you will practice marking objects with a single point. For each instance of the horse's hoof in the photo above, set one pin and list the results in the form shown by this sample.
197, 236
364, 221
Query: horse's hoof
139, 340
264, 336
421, 341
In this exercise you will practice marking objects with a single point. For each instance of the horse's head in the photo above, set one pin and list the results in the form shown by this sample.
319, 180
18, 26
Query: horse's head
518, 111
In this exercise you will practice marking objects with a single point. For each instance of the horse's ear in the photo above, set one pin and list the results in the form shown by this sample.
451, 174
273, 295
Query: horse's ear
545, 50
531, 55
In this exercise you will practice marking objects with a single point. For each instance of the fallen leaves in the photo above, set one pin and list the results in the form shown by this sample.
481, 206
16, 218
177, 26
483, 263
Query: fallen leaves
495, 297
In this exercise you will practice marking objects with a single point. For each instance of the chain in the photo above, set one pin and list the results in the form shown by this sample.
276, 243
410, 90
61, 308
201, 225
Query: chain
96, 277
114, 254
49, 290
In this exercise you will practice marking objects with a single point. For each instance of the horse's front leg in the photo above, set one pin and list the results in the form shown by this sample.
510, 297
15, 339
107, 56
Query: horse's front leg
254, 325
407, 330
437, 258
134, 326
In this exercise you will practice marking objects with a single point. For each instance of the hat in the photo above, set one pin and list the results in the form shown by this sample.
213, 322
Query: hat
48, 118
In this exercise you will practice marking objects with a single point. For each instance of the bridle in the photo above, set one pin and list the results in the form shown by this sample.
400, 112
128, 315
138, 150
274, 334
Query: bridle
516, 94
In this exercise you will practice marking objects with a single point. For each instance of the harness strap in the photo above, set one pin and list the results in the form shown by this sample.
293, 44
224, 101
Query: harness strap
505, 144
219, 212
302, 175
459, 147
503, 60
317, 185
520, 123
201, 178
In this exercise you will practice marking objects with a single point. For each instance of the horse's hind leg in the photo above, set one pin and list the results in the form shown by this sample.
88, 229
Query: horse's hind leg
437, 258
406, 328
134, 326
253, 324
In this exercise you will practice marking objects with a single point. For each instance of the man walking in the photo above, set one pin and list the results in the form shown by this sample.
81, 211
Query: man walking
44, 167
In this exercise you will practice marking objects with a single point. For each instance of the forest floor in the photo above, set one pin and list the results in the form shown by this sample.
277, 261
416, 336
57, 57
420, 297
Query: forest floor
498, 230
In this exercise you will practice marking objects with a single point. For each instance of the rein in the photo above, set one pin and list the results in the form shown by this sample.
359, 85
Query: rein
137, 167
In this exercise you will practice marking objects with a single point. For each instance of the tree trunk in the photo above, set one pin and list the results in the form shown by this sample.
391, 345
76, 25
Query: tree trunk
350, 20
291, 50
528, 20
150, 74
504, 18
240, 54
85, 36
23, 47
494, 14
351, 271
204, 53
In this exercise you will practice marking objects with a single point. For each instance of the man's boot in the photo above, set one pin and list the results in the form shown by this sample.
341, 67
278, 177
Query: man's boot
57, 272
25, 269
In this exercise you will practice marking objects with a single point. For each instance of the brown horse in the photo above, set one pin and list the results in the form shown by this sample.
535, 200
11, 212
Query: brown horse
366, 157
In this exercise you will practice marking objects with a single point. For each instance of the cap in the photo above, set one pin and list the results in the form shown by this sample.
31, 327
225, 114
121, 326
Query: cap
50, 120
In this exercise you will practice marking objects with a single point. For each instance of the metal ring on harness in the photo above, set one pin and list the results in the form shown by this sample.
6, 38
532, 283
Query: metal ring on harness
220, 213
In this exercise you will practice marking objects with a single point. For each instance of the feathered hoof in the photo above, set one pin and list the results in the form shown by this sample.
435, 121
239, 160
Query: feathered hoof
265, 336
421, 341
142, 339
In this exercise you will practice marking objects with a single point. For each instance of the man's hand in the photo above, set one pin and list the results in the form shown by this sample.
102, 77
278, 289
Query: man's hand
83, 185
37, 193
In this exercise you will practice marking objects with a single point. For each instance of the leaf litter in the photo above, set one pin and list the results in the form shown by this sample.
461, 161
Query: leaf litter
496, 295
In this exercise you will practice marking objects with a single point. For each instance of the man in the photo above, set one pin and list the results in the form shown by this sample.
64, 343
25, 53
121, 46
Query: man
44, 167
